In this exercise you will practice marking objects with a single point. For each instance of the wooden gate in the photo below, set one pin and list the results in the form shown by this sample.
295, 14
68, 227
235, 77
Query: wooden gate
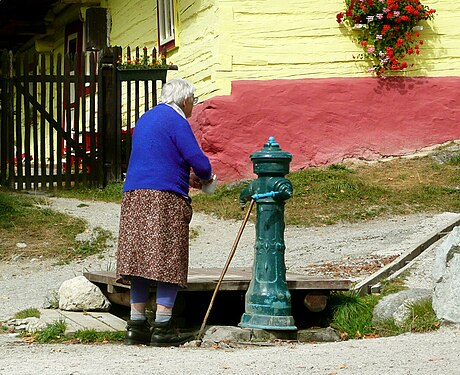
46, 141
66, 121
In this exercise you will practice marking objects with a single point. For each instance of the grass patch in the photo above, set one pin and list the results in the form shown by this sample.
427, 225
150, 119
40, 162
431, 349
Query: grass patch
89, 336
352, 314
29, 229
353, 193
337, 193
54, 332
31, 312
111, 193
422, 319
94, 246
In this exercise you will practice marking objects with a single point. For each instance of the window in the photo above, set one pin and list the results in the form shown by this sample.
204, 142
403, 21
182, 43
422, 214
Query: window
166, 29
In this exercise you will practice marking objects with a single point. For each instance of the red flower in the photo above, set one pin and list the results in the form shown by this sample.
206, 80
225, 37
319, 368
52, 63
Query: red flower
339, 17
390, 52
409, 9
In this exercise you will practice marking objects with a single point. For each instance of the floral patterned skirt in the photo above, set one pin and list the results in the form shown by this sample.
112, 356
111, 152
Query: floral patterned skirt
154, 236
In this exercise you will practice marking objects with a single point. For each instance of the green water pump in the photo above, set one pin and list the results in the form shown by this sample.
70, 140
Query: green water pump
268, 300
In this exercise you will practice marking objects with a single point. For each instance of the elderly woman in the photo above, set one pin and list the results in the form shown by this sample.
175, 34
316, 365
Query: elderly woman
153, 241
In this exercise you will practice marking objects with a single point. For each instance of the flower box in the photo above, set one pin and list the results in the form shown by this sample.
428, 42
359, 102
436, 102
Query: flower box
158, 74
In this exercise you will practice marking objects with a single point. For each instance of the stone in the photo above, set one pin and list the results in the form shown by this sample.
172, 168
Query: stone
30, 325
263, 335
446, 275
79, 294
217, 334
327, 334
397, 306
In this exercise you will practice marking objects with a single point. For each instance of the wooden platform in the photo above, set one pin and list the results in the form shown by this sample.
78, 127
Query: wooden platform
205, 279
75, 321
229, 305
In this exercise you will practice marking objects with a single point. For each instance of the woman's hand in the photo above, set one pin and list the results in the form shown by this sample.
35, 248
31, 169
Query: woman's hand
204, 182
195, 181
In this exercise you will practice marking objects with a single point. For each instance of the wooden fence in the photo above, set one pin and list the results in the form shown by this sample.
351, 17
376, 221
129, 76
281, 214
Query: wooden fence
67, 121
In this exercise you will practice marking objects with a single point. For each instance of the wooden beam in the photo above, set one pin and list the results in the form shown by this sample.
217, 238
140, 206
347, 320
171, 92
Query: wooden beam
364, 287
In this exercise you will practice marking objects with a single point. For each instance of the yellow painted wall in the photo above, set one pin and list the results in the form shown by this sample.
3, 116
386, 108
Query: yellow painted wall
301, 39
133, 22
197, 52
224, 40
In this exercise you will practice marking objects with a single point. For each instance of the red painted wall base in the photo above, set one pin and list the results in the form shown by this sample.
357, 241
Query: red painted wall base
324, 121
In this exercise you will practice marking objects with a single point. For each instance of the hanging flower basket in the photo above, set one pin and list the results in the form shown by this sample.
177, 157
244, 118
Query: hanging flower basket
387, 30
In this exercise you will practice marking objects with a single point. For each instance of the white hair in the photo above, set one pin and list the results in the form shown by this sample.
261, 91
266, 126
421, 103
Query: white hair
176, 91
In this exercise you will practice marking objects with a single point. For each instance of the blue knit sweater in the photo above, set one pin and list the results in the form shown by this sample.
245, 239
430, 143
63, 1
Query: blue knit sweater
164, 149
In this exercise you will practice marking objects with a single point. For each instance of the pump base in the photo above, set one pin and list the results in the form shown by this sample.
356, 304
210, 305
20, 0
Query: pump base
271, 322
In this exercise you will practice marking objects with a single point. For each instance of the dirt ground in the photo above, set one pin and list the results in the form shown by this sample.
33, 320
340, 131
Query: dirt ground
345, 250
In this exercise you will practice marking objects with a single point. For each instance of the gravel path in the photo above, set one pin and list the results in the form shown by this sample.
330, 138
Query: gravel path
26, 284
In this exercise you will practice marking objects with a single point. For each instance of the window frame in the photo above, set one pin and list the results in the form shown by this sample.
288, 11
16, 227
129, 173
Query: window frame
166, 22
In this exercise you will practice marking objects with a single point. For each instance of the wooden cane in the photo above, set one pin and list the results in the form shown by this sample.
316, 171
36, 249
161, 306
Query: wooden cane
224, 270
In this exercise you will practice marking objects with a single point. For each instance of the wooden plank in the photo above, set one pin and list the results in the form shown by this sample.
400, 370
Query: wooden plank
114, 323
235, 279
59, 119
42, 135
76, 118
50, 316
36, 154
68, 121
27, 117
50, 131
92, 123
19, 142
3, 119
364, 287
82, 100
99, 321
76, 320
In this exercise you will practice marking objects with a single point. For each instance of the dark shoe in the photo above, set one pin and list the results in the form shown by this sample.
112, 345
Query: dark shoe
165, 335
138, 332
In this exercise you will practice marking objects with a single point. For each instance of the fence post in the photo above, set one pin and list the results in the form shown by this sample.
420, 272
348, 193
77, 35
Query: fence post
109, 134
3, 116
7, 172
